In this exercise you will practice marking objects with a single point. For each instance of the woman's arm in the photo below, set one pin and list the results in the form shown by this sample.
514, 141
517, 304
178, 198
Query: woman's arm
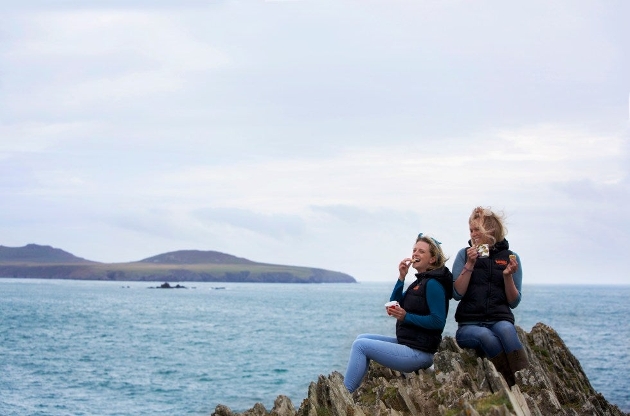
436, 299
397, 293
462, 271
513, 278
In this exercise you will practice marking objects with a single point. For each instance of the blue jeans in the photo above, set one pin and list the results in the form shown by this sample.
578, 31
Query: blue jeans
489, 338
386, 351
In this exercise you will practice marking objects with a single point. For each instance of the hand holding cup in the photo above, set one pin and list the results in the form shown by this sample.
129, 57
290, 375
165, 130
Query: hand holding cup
394, 309
391, 305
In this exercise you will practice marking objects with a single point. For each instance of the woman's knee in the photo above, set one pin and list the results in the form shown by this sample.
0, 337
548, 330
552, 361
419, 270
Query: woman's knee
474, 335
506, 332
468, 342
481, 339
504, 329
358, 343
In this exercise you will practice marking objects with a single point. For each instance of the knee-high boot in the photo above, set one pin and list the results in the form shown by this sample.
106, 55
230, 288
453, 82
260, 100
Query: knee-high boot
502, 365
517, 360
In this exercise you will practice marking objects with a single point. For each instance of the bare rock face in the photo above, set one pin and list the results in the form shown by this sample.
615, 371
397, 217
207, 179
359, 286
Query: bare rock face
460, 383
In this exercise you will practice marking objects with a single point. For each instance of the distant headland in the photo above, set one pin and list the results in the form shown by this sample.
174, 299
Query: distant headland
46, 262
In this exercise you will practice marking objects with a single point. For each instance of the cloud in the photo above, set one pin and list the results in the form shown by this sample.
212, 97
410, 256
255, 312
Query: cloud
517, 162
274, 226
319, 133
97, 58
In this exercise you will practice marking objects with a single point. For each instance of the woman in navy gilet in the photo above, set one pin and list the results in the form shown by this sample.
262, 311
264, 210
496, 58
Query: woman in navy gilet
420, 315
487, 284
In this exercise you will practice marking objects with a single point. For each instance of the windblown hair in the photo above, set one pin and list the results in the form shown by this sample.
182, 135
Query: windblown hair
436, 251
491, 224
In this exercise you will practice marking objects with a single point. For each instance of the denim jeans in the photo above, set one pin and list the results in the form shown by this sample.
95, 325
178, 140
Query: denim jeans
489, 338
386, 351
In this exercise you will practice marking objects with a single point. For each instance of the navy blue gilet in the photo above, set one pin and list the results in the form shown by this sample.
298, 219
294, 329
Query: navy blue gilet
415, 301
485, 299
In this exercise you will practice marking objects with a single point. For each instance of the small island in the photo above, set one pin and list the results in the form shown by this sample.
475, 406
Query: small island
166, 285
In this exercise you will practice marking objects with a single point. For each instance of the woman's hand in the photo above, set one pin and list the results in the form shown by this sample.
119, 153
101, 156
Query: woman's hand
511, 268
403, 269
397, 312
471, 254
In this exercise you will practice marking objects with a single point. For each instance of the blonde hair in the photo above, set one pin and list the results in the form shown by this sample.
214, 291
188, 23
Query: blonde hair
436, 251
491, 224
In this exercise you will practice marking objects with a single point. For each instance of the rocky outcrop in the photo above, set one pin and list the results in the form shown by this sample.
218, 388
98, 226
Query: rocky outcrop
460, 383
166, 285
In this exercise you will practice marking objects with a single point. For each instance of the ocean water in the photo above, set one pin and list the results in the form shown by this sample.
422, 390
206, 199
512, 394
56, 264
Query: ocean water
119, 348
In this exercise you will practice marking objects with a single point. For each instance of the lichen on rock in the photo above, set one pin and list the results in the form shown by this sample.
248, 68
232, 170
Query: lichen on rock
459, 383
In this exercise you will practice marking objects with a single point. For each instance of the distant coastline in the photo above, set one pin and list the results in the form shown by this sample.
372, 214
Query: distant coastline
46, 262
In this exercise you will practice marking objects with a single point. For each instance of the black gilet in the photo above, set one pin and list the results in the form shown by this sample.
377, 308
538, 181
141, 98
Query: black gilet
485, 299
415, 301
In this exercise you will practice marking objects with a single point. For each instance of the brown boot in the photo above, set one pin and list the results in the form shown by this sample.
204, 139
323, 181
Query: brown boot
502, 365
517, 360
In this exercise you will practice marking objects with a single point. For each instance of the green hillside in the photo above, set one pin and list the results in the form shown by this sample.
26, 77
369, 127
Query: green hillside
45, 262
33, 253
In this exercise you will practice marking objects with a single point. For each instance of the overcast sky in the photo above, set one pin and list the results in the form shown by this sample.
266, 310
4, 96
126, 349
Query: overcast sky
318, 133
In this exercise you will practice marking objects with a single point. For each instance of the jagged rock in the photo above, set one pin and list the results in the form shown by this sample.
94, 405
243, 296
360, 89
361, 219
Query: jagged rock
459, 384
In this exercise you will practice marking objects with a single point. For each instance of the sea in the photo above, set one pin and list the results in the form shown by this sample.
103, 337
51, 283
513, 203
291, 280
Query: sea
72, 347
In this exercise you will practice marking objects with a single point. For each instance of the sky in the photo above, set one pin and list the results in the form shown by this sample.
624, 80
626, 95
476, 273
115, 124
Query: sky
321, 133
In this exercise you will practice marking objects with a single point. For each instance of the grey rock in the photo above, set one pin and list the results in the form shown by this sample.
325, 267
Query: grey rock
460, 383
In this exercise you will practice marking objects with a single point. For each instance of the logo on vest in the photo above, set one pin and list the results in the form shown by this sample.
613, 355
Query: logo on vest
501, 262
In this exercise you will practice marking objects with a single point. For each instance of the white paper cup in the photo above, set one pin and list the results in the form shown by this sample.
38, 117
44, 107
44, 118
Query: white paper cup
390, 305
